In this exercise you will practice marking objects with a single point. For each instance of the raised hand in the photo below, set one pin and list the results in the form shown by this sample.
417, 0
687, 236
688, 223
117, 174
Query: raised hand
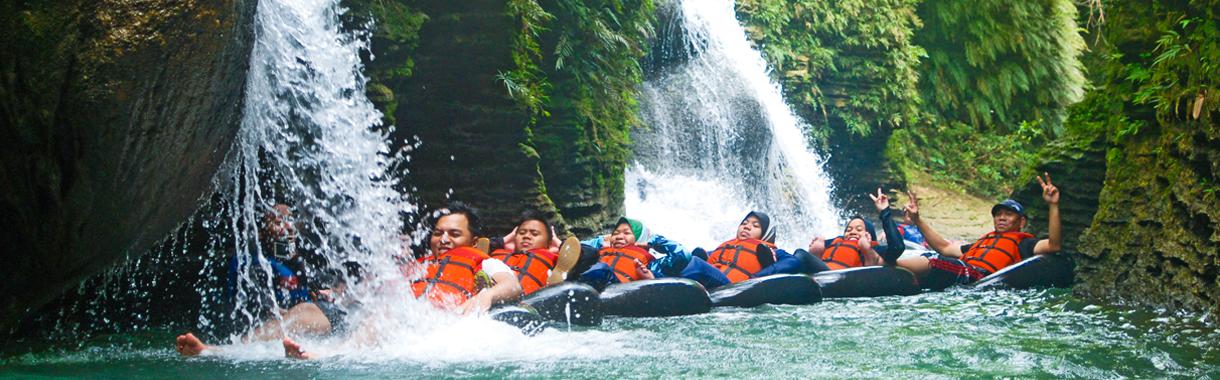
555, 242
1050, 193
818, 244
912, 207
880, 200
510, 240
644, 271
866, 241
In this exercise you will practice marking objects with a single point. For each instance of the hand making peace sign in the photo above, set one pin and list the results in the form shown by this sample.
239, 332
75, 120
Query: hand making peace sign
1050, 193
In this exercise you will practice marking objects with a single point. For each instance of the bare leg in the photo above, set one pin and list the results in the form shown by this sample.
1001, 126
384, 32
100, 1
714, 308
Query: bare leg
188, 345
918, 265
305, 318
294, 350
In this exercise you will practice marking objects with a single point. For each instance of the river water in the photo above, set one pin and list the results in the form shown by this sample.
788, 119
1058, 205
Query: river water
960, 333
312, 139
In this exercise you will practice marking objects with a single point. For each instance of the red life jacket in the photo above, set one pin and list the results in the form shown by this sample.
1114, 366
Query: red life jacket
622, 261
841, 253
738, 258
451, 276
995, 250
532, 266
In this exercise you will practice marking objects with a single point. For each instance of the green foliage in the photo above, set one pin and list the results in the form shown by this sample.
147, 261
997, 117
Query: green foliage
998, 81
996, 63
526, 83
850, 62
957, 155
577, 67
592, 55
1153, 64
1184, 69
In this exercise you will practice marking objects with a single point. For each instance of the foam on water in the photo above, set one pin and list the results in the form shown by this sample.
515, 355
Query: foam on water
720, 141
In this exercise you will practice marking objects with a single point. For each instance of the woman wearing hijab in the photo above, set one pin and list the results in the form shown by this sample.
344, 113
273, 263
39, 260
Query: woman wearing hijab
857, 247
750, 254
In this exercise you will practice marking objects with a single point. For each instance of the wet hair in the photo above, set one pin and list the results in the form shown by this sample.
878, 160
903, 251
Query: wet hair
537, 216
457, 207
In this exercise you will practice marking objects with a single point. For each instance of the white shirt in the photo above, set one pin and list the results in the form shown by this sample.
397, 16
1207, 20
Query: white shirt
494, 266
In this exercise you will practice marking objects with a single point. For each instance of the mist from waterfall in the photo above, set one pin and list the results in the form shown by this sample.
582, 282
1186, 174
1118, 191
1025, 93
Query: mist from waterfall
719, 141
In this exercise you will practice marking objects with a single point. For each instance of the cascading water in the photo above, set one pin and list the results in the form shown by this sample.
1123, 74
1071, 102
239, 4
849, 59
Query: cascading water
720, 141
310, 139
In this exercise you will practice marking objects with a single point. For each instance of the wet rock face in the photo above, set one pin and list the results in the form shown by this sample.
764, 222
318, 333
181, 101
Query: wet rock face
115, 116
1156, 237
858, 165
474, 138
1078, 169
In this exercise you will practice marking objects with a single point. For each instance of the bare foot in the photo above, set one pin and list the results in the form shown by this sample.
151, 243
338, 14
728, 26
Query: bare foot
293, 350
188, 345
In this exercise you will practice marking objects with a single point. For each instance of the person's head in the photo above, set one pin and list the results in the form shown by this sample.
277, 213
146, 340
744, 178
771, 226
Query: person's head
627, 232
858, 227
906, 219
1008, 215
279, 233
533, 231
277, 223
756, 225
455, 226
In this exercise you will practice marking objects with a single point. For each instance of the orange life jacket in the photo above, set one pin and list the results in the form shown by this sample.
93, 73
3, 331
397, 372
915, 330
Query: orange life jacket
532, 266
841, 253
995, 250
738, 258
622, 261
451, 276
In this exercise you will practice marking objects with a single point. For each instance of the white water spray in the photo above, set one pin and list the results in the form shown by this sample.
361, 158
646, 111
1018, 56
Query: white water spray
310, 138
720, 141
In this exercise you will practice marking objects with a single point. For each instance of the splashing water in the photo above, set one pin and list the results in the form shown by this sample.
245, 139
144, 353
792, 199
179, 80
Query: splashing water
721, 141
311, 139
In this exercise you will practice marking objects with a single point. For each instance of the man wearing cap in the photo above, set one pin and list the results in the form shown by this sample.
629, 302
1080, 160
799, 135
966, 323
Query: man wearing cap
1007, 245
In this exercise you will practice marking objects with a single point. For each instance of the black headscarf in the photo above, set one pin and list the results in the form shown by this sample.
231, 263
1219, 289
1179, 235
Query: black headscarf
764, 222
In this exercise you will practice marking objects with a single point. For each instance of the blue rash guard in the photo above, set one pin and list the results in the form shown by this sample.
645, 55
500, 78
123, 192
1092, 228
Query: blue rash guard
289, 290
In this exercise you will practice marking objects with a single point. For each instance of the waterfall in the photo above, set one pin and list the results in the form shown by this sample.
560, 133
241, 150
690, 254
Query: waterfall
310, 138
719, 141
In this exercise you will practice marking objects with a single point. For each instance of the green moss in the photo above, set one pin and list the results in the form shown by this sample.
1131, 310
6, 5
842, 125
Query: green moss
589, 54
394, 37
1154, 235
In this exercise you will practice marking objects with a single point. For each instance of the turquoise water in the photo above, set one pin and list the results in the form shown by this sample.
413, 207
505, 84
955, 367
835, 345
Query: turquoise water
960, 333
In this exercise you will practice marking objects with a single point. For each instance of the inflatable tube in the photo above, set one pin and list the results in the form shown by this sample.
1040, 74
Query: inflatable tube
874, 281
567, 302
777, 289
661, 297
1035, 272
809, 264
523, 318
